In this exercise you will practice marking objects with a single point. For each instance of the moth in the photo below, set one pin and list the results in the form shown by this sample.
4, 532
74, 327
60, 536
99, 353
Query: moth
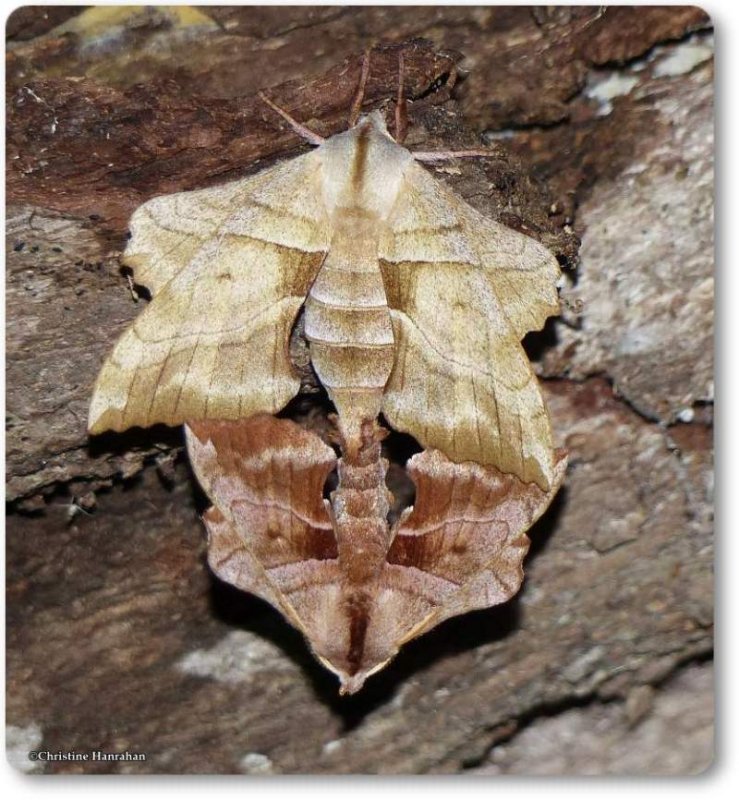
357, 589
415, 306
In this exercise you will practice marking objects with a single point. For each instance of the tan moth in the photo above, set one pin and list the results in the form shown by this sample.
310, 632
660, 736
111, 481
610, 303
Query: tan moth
415, 306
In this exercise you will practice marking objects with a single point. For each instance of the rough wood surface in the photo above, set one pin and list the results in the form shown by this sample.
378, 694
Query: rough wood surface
118, 636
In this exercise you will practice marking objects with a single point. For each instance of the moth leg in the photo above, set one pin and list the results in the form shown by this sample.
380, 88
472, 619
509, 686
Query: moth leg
444, 155
401, 107
301, 130
356, 108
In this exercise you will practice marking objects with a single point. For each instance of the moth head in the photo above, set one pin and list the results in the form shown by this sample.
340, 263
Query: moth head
351, 678
351, 682
363, 168
376, 120
357, 635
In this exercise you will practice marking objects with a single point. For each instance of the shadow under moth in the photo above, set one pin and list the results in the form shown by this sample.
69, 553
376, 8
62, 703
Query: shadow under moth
415, 306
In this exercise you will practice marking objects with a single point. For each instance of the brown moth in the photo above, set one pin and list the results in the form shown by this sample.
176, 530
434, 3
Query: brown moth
355, 587
415, 305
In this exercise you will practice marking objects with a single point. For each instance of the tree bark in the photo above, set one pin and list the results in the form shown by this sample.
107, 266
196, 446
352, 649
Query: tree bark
119, 639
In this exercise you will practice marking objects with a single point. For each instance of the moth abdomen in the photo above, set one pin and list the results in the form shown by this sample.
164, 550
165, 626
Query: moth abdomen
360, 507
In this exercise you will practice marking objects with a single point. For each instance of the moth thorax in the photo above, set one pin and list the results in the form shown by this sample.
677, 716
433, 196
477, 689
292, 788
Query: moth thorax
348, 325
363, 168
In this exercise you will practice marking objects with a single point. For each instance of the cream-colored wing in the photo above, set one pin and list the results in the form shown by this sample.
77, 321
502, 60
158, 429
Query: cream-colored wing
463, 290
431, 223
228, 268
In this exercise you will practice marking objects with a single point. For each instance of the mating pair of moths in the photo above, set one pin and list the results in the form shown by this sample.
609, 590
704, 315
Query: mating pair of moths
415, 306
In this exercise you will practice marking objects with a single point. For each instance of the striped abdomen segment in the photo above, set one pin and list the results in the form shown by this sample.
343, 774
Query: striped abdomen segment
347, 323
359, 507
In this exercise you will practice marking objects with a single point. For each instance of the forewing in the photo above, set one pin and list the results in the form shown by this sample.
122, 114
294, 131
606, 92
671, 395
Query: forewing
228, 268
269, 528
461, 381
461, 546
431, 223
